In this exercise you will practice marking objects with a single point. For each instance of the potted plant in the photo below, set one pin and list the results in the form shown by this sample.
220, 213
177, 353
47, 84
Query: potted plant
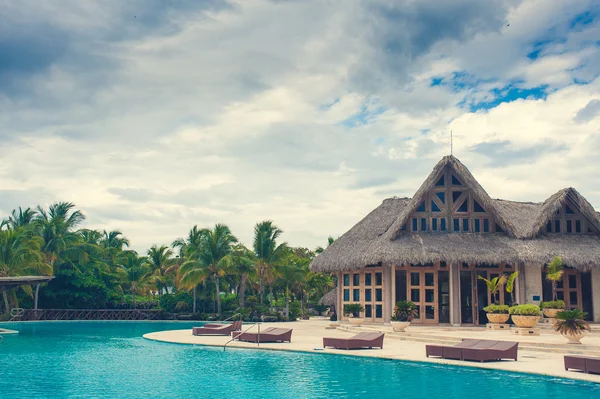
571, 325
551, 308
554, 273
525, 316
510, 286
497, 314
403, 314
352, 310
494, 285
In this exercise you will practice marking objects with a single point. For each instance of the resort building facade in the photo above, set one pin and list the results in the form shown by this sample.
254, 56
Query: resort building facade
431, 248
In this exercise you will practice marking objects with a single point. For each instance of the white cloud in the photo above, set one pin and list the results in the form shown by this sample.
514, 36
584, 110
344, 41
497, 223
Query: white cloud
234, 112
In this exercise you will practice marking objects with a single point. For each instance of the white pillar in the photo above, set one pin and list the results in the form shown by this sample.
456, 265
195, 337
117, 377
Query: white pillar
387, 294
520, 295
533, 283
454, 294
595, 275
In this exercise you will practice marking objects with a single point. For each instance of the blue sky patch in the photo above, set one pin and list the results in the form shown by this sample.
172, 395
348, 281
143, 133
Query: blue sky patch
511, 93
367, 115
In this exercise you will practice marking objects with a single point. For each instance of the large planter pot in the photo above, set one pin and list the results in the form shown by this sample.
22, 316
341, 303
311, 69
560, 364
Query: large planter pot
574, 339
400, 325
551, 313
357, 321
497, 318
525, 321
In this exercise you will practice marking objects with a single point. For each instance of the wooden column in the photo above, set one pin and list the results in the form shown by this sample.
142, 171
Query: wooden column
455, 316
387, 294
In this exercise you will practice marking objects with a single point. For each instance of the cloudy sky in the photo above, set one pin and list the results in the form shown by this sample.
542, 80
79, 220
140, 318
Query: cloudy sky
156, 115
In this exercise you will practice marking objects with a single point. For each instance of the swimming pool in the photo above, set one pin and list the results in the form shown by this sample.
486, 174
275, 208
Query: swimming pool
112, 360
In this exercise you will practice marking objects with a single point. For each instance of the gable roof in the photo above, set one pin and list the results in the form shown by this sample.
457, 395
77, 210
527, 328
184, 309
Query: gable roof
463, 174
555, 202
375, 239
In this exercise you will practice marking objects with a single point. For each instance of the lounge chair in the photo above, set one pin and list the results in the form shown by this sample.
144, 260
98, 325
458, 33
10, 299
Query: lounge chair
360, 340
475, 349
583, 363
498, 351
217, 329
271, 334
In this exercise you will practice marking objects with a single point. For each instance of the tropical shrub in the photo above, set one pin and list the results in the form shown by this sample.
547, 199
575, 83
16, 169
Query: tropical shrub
559, 304
353, 309
525, 310
571, 322
496, 309
404, 311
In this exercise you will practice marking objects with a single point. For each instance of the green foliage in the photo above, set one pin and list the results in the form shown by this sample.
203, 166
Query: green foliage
571, 322
353, 308
496, 309
169, 302
295, 310
494, 284
525, 310
559, 304
404, 311
554, 273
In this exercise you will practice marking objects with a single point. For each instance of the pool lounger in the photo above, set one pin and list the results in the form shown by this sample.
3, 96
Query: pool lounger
360, 340
271, 334
480, 350
217, 329
586, 364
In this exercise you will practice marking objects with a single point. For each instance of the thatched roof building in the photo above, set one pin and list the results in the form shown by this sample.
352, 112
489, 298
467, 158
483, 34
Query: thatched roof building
523, 231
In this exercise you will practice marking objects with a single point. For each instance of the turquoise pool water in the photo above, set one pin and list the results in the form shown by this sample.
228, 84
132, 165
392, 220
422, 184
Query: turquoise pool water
112, 360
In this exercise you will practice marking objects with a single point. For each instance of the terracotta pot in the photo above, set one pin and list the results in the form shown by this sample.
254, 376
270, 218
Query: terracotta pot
551, 313
574, 339
497, 318
357, 321
400, 325
525, 321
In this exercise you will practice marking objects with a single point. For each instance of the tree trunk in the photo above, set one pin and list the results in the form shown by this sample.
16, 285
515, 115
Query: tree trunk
243, 290
194, 306
553, 290
287, 303
218, 298
133, 298
261, 284
5, 295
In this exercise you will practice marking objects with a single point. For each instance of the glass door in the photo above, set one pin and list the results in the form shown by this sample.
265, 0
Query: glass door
422, 290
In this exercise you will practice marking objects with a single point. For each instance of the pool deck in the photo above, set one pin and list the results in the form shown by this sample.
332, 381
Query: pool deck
541, 354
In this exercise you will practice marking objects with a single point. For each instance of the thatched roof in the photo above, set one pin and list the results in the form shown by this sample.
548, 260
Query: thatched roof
329, 298
376, 239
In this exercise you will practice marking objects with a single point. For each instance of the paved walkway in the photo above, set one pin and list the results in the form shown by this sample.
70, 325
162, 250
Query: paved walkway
307, 337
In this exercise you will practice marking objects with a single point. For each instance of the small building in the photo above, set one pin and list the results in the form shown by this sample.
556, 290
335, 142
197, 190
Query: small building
431, 248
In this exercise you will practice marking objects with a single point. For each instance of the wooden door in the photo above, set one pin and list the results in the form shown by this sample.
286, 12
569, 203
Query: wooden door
569, 289
422, 288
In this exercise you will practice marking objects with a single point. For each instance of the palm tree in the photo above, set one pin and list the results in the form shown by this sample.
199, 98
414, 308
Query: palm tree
57, 227
266, 249
20, 255
21, 218
138, 277
243, 264
494, 284
210, 256
160, 260
320, 250
510, 285
554, 273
